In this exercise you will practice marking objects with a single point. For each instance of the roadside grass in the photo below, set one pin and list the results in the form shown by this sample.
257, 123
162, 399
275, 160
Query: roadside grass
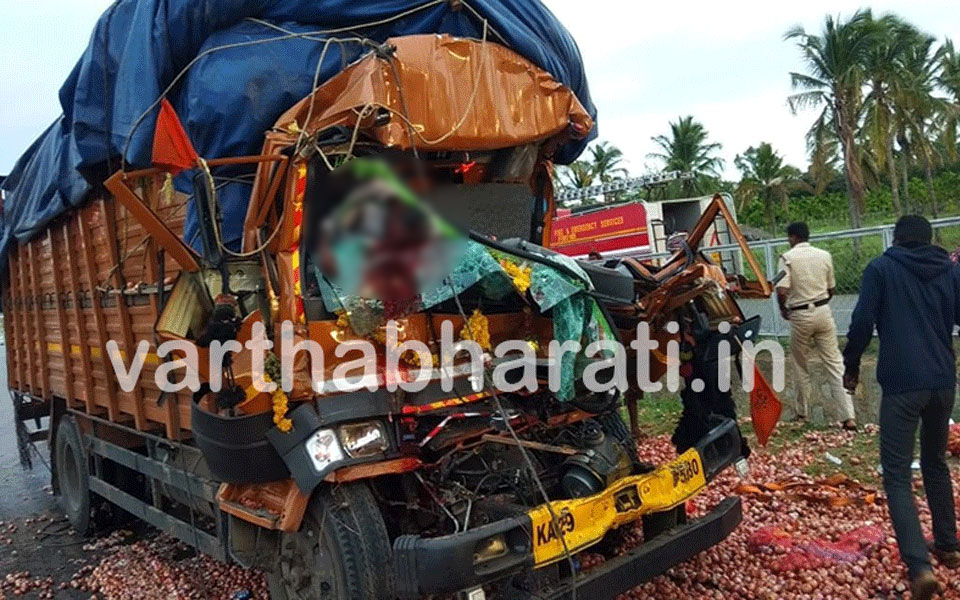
859, 453
658, 413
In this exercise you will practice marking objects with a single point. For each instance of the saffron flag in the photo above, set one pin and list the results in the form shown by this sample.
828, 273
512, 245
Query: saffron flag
172, 148
765, 407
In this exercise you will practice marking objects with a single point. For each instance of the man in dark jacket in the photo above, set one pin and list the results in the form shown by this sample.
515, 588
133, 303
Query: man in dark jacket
912, 294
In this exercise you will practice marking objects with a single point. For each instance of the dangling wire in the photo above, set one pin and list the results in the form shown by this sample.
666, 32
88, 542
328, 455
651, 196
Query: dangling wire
212, 200
528, 462
405, 116
289, 35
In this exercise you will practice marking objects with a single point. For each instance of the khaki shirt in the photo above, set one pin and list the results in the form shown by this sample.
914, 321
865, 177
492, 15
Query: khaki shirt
809, 274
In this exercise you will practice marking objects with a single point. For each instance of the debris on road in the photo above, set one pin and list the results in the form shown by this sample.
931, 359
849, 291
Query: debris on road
804, 535
735, 570
170, 570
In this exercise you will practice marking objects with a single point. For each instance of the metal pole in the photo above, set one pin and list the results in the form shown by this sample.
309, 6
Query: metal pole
774, 307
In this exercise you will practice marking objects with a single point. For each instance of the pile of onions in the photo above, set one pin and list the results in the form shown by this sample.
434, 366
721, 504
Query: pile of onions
164, 568
738, 568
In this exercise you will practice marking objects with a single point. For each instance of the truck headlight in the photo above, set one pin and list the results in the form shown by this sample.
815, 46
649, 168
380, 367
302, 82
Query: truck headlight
323, 449
363, 439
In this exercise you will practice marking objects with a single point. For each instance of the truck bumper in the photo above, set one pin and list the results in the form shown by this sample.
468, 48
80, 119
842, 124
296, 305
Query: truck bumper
450, 563
650, 559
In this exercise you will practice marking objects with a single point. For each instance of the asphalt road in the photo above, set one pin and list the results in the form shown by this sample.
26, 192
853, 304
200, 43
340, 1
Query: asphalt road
34, 535
23, 492
842, 306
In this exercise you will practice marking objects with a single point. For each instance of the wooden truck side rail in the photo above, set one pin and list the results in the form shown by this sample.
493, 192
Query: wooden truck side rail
96, 274
93, 275
101, 273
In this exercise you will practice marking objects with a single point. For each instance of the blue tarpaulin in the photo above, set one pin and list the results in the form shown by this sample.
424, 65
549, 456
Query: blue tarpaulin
232, 68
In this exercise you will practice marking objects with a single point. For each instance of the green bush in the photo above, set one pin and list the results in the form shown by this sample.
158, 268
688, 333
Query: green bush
830, 211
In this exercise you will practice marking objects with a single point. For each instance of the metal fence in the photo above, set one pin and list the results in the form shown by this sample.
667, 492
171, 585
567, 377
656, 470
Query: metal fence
852, 250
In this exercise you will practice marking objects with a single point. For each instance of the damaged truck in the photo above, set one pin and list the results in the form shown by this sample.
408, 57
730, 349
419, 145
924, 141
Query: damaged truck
222, 169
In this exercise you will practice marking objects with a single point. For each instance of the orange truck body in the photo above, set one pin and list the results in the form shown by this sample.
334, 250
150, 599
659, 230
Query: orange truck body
92, 276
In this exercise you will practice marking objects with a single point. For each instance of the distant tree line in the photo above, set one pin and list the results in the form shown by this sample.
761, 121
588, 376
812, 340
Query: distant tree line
883, 141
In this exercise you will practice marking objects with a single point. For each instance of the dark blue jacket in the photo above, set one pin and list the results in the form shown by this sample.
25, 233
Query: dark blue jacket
912, 295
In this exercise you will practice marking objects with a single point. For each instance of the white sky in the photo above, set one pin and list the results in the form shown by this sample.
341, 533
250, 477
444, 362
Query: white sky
647, 62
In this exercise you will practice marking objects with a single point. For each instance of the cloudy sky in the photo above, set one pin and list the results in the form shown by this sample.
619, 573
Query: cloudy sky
648, 63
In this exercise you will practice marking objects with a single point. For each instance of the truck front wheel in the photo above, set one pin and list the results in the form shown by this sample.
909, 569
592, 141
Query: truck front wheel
342, 551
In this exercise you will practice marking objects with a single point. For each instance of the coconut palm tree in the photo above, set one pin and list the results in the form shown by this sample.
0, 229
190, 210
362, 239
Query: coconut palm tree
949, 80
824, 156
884, 73
605, 160
950, 69
765, 177
687, 149
920, 108
578, 174
834, 80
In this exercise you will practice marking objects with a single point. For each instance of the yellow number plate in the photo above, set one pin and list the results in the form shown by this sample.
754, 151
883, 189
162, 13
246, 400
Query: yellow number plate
584, 521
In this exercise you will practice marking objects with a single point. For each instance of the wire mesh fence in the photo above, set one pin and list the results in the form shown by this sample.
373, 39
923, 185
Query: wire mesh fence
852, 251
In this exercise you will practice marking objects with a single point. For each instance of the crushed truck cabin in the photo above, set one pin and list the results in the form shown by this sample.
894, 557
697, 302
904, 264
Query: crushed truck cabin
209, 333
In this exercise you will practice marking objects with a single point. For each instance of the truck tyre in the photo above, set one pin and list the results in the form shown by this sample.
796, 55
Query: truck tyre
342, 551
72, 466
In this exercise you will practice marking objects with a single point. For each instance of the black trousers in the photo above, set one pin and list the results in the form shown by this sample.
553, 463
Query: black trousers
899, 416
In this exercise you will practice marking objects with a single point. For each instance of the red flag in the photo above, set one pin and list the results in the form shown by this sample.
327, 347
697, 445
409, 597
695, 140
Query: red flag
171, 147
765, 407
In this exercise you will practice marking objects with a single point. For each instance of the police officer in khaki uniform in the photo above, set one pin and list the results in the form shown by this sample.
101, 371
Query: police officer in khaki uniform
804, 294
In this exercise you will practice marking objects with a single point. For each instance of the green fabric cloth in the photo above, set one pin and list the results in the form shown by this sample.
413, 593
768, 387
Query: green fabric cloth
576, 315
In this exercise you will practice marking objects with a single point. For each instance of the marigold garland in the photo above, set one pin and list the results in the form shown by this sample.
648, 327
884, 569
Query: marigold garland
279, 402
519, 275
477, 328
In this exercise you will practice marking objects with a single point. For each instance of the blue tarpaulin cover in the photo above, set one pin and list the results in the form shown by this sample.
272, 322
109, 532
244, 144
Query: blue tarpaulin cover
233, 67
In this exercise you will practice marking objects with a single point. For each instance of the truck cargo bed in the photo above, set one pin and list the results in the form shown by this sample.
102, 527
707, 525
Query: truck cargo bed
93, 275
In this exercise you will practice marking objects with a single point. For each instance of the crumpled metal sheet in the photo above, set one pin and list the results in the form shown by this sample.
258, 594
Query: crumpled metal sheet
447, 94
233, 93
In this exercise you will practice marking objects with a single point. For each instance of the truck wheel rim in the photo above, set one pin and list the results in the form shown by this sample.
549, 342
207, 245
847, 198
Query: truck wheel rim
309, 568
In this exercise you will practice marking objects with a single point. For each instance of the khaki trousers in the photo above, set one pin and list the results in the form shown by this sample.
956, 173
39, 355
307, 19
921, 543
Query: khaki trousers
814, 329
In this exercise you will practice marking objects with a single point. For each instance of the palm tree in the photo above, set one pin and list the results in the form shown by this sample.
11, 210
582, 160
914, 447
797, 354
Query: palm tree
824, 156
686, 149
884, 73
920, 108
835, 61
949, 80
578, 174
950, 69
764, 176
605, 163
